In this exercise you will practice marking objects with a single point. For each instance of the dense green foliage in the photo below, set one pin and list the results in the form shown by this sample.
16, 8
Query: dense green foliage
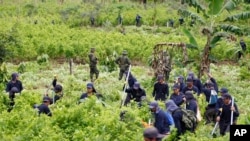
33, 28
91, 120
46, 31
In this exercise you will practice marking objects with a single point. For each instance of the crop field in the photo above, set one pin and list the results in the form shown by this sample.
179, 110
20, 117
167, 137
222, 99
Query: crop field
38, 38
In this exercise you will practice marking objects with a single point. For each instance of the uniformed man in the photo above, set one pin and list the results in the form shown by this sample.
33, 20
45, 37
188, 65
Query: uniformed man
166, 65
124, 62
92, 64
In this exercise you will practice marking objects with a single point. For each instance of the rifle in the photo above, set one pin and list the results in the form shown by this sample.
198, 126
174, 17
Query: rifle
124, 93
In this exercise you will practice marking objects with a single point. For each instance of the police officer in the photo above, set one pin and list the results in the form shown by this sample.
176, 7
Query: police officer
124, 62
92, 64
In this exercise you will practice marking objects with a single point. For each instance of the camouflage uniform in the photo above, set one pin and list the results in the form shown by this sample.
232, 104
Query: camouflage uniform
166, 65
123, 62
92, 64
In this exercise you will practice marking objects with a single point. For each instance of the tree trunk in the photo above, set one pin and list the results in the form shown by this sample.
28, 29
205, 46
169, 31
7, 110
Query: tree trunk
205, 61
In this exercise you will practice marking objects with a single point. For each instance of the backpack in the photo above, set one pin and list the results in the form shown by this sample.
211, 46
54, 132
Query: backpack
213, 97
169, 118
189, 119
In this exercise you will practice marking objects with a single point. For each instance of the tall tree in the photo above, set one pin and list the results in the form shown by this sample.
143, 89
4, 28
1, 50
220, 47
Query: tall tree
209, 14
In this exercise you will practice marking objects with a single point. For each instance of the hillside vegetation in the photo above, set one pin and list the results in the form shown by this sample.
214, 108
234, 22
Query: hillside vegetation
37, 37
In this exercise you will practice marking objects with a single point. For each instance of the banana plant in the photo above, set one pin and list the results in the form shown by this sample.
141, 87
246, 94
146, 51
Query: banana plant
209, 15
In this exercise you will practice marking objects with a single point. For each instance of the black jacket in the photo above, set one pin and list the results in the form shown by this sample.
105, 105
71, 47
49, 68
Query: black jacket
160, 91
44, 109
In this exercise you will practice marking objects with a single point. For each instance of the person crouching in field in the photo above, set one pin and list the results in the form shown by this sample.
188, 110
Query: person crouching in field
161, 122
224, 116
135, 93
90, 92
44, 107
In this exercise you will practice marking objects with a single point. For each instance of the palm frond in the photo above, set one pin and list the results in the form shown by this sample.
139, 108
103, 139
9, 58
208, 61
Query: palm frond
186, 13
217, 37
231, 28
240, 16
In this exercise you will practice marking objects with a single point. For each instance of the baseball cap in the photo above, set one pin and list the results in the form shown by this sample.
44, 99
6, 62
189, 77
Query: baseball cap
223, 90
152, 132
226, 96
90, 85
153, 104
176, 86
136, 85
46, 99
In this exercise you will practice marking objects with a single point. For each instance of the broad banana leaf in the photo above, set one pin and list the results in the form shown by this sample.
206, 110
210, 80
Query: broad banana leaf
191, 38
215, 7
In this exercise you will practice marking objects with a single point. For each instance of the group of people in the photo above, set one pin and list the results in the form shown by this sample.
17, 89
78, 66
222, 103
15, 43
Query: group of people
218, 109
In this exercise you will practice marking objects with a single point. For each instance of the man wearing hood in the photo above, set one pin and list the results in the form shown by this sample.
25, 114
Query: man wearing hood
14, 82
161, 122
90, 92
177, 116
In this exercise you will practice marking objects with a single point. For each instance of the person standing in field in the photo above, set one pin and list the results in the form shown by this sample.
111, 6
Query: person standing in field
124, 62
92, 64
161, 90
224, 115
14, 82
166, 59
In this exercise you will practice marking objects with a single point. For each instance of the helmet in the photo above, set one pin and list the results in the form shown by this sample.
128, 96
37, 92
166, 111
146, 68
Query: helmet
124, 52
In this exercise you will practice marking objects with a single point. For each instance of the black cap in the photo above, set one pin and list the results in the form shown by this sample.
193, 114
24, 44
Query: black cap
223, 90
58, 88
152, 132
226, 96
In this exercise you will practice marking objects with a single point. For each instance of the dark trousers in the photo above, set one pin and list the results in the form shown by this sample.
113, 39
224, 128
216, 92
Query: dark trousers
93, 70
210, 114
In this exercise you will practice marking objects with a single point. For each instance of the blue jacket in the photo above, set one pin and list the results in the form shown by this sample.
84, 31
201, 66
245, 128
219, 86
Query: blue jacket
44, 109
160, 91
177, 116
178, 99
192, 105
219, 104
135, 94
161, 122
194, 89
198, 84
17, 84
